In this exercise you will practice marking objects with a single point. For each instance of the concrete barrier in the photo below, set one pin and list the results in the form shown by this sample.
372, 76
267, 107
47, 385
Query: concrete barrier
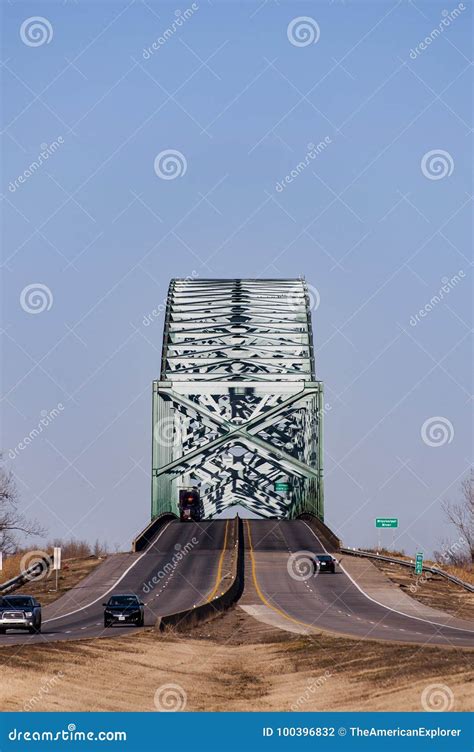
323, 531
143, 539
193, 616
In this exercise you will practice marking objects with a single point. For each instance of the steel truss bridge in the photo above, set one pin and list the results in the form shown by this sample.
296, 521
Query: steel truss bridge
238, 411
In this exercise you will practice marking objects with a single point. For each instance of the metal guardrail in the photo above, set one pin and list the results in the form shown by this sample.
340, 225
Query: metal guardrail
411, 564
29, 574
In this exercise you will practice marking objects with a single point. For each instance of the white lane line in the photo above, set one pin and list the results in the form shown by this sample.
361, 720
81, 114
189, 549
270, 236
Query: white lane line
82, 608
389, 608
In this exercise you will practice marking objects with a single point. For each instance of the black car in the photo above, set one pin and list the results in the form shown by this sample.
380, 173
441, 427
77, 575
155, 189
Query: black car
324, 563
20, 612
124, 609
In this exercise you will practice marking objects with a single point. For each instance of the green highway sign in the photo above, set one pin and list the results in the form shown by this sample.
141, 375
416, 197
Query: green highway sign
281, 485
386, 522
419, 563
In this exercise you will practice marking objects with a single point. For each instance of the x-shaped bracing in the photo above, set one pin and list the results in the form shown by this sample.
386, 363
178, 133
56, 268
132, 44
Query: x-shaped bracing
230, 431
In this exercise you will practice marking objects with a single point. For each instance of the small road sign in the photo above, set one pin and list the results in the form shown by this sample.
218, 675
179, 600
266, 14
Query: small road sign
386, 522
419, 563
281, 485
57, 562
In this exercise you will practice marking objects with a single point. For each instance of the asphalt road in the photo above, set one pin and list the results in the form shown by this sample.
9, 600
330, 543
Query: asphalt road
175, 573
328, 601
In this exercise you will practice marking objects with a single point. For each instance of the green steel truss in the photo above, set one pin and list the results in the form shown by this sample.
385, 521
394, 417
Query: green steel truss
237, 410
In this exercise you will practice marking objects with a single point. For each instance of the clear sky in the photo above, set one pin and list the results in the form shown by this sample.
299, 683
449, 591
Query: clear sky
376, 219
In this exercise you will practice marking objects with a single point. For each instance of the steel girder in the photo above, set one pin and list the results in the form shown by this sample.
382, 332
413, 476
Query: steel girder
237, 410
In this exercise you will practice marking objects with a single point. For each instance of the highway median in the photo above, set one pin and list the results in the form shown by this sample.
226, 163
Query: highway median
227, 589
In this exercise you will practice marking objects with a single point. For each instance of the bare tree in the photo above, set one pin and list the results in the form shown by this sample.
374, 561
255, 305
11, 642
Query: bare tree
100, 549
460, 515
12, 522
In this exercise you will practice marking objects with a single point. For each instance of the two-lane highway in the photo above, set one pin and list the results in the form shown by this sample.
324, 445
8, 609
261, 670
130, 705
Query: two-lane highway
279, 551
180, 569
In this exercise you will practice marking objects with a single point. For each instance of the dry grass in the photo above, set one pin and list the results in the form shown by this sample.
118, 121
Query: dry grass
11, 567
431, 590
123, 674
463, 573
72, 572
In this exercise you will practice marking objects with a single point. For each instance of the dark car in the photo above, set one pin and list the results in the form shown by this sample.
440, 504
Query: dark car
20, 612
324, 563
124, 609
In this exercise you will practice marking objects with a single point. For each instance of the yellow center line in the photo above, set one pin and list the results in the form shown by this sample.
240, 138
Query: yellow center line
219, 567
259, 592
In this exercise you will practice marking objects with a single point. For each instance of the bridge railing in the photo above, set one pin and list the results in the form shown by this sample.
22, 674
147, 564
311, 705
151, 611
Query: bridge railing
148, 534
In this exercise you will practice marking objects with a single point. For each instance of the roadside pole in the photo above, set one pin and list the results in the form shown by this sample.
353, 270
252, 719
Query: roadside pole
57, 563
385, 522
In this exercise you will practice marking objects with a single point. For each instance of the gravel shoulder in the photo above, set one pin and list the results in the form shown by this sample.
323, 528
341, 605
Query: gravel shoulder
430, 589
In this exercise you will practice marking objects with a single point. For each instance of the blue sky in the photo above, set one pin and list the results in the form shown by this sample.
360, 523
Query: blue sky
376, 222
